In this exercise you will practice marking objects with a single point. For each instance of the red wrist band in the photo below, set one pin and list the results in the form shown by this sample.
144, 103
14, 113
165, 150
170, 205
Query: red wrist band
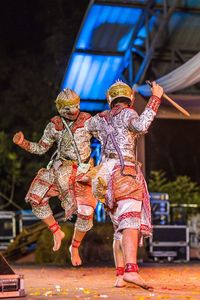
154, 103
25, 145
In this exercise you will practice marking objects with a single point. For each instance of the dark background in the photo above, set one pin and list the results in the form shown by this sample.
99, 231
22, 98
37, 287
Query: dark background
174, 147
37, 37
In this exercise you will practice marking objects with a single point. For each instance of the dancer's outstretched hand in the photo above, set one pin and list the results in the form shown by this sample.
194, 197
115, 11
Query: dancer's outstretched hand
157, 90
18, 138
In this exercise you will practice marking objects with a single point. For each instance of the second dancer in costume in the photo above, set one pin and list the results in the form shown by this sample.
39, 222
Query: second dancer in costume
118, 180
71, 158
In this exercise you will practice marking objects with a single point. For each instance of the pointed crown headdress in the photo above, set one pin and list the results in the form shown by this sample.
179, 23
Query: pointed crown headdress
67, 97
119, 90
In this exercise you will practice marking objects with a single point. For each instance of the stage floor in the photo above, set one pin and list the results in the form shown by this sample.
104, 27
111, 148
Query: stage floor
170, 281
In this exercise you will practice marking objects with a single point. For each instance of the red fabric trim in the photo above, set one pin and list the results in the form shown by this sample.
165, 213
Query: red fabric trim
80, 121
130, 267
36, 198
25, 145
119, 271
112, 113
83, 217
144, 226
145, 229
42, 182
117, 109
63, 195
127, 198
71, 182
154, 103
131, 214
42, 143
57, 121
37, 180
54, 227
43, 203
75, 243
51, 226
118, 167
104, 114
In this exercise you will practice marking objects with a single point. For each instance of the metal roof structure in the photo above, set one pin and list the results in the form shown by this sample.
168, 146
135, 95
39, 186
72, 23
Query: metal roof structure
132, 41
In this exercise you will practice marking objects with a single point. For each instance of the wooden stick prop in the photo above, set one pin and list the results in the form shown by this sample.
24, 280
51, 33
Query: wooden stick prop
177, 106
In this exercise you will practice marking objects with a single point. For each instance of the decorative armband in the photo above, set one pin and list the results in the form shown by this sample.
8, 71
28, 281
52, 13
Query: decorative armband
25, 145
154, 103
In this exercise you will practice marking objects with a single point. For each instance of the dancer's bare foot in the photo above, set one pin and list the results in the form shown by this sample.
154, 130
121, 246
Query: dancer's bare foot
135, 278
57, 238
120, 282
75, 257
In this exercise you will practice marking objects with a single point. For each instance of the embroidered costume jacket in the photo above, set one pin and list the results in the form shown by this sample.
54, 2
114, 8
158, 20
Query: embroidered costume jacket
60, 178
119, 177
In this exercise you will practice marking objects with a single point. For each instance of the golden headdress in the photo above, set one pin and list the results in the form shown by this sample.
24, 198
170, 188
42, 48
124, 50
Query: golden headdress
119, 90
66, 98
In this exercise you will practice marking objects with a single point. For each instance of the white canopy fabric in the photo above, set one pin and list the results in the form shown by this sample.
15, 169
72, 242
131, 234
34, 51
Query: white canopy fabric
186, 75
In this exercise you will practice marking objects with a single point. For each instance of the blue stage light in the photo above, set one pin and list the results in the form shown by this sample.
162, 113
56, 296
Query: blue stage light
108, 27
95, 106
102, 51
100, 213
91, 75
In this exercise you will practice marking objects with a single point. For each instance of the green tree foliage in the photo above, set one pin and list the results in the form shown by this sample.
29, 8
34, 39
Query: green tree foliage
157, 182
181, 190
10, 170
96, 246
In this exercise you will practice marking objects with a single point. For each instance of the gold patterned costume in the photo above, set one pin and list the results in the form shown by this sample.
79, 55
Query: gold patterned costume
59, 178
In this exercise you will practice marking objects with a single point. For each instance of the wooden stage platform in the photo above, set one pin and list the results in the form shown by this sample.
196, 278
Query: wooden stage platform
170, 281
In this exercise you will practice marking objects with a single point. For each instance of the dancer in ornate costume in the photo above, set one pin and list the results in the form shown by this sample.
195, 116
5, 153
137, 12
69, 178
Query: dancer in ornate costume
118, 180
71, 158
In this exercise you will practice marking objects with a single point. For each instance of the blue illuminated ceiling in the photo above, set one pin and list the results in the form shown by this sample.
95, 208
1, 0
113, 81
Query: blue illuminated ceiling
100, 51
108, 28
114, 42
87, 72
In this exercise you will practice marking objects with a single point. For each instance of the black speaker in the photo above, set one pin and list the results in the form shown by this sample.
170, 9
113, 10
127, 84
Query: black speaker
26, 218
180, 253
160, 208
170, 234
11, 284
171, 241
160, 212
7, 225
5, 269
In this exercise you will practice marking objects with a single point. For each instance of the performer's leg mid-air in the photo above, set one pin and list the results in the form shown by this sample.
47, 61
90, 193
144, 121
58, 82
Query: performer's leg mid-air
71, 158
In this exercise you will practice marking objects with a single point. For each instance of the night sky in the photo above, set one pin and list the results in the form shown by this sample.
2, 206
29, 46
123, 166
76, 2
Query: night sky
174, 147
37, 37
25, 24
